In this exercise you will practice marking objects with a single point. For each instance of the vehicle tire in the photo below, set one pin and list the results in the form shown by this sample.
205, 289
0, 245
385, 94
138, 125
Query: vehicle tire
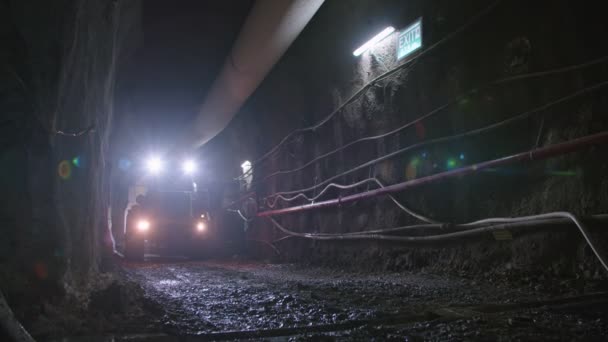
134, 248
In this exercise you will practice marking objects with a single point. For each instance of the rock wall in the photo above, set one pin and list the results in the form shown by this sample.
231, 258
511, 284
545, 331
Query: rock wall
58, 66
319, 72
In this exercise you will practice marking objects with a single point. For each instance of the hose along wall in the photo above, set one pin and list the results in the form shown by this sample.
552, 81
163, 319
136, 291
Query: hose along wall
339, 183
472, 228
493, 225
358, 93
435, 111
452, 138
531, 155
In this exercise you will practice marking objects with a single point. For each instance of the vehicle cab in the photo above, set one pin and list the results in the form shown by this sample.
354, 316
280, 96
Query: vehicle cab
168, 217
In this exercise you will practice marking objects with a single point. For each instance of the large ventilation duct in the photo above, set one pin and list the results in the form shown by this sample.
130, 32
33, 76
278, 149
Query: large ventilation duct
270, 28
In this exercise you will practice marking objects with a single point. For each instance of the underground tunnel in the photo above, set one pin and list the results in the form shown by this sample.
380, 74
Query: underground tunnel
303, 170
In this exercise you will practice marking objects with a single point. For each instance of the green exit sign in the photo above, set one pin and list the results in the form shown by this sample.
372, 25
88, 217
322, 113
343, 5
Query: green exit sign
410, 39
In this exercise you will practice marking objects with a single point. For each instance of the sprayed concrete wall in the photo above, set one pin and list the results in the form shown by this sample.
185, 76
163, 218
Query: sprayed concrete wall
58, 64
319, 72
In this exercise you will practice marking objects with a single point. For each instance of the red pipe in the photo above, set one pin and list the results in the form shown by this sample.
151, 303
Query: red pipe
535, 154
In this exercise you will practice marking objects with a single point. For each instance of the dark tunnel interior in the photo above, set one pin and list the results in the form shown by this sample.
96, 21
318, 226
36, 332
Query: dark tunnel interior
303, 170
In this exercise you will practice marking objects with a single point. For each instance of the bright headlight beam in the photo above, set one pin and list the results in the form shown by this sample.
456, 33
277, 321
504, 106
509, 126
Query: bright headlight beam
143, 225
189, 167
154, 165
200, 226
377, 38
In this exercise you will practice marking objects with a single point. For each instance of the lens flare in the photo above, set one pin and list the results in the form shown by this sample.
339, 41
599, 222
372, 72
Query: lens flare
124, 164
410, 172
420, 130
41, 270
412, 169
451, 163
64, 169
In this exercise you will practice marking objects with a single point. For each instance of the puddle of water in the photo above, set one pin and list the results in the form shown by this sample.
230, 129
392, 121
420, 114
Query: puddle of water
168, 282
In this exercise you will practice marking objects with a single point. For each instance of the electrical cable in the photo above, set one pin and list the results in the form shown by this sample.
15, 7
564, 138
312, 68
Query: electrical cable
497, 224
540, 132
469, 225
470, 133
10, 327
26, 89
445, 39
269, 244
91, 128
238, 211
433, 112
345, 187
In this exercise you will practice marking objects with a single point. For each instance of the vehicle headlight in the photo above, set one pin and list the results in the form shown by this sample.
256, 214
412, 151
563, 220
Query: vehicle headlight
201, 226
189, 167
154, 165
143, 225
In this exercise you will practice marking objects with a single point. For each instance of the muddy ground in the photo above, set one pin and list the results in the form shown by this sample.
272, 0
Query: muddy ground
247, 300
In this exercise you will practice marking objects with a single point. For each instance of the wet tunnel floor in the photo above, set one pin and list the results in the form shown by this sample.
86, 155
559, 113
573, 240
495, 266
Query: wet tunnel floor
208, 299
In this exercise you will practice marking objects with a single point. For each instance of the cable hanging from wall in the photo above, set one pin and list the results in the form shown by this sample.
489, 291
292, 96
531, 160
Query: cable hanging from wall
351, 186
361, 91
470, 229
300, 193
36, 109
439, 109
445, 139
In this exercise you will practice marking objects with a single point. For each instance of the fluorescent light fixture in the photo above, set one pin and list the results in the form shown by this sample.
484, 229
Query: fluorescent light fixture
377, 38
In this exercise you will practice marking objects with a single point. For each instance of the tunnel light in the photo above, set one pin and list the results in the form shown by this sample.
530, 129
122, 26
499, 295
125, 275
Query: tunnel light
143, 225
201, 226
377, 38
189, 167
246, 166
154, 165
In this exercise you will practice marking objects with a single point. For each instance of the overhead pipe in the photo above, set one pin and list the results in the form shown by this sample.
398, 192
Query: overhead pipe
270, 28
531, 155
